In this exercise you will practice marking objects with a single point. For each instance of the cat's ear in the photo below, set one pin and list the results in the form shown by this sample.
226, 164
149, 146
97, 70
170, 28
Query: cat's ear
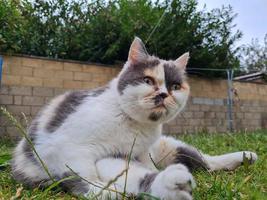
137, 52
182, 61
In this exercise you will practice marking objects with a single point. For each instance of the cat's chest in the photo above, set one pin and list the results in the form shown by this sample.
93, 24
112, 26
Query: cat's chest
125, 138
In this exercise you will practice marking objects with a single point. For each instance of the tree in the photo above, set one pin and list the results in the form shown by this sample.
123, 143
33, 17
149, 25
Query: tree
254, 56
103, 30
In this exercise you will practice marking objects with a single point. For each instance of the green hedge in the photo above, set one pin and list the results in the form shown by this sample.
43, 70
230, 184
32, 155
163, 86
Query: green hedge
102, 31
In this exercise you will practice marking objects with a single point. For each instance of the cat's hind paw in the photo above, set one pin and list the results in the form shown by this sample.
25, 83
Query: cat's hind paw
251, 157
174, 183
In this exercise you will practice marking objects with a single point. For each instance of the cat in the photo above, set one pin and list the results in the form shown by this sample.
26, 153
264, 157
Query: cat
90, 133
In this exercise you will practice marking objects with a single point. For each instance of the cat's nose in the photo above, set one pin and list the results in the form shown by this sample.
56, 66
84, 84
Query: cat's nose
163, 95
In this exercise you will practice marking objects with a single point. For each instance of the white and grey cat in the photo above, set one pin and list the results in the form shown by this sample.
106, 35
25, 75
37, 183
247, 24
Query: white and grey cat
91, 132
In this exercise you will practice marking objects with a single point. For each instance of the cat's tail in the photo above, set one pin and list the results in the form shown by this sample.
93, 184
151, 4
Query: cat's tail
26, 169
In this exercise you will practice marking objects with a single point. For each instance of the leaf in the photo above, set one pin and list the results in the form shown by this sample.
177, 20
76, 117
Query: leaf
4, 161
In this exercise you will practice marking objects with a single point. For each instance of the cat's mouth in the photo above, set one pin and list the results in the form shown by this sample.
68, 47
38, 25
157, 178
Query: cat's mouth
160, 105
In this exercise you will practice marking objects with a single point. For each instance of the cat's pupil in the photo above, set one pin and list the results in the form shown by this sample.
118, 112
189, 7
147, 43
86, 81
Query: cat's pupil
148, 80
176, 87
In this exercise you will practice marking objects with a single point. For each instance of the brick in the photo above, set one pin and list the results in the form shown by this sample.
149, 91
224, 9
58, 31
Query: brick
35, 110
13, 60
55, 83
11, 80
21, 71
209, 101
193, 107
18, 110
165, 129
197, 100
2, 132
6, 99
207, 122
211, 129
218, 102
82, 76
32, 62
181, 121
206, 107
220, 115
53, 65
65, 75
249, 115
188, 129
194, 122
58, 91
6, 68
172, 122
187, 114
73, 67
175, 129
103, 78
92, 69
209, 115
44, 92
44, 73
89, 85
115, 71
73, 84
32, 81
33, 101
17, 100
13, 132
48, 99
20, 90
198, 115
4, 121
4, 89
221, 129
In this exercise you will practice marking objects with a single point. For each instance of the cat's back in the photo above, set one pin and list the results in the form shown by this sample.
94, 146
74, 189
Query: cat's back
66, 110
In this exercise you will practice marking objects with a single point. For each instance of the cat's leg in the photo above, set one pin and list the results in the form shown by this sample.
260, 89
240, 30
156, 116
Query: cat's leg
167, 151
82, 180
173, 183
229, 161
27, 169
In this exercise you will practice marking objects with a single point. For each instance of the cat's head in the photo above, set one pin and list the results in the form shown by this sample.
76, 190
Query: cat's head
152, 90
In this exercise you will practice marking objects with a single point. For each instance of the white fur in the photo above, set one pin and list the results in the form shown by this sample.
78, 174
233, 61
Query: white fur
230, 161
107, 125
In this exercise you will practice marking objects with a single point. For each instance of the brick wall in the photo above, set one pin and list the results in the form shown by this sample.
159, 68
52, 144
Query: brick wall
28, 83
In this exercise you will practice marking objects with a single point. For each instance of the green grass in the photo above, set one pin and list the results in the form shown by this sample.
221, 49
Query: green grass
247, 182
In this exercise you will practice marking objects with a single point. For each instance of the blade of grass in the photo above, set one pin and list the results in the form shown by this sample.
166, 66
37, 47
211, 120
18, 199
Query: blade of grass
25, 135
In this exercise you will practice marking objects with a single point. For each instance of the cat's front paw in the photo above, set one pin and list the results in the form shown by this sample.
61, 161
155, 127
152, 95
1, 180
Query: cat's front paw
174, 183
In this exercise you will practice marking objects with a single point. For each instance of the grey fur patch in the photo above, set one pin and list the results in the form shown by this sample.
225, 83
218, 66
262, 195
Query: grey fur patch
75, 185
29, 154
155, 116
146, 182
134, 74
98, 91
190, 157
69, 105
26, 148
173, 75
66, 107
21, 178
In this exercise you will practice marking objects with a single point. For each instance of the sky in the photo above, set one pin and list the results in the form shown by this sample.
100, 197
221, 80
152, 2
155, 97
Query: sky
251, 18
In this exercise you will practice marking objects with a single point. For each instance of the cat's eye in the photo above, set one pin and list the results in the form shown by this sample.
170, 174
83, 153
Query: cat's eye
148, 80
176, 87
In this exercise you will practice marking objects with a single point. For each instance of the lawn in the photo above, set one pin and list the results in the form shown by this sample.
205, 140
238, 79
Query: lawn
247, 182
